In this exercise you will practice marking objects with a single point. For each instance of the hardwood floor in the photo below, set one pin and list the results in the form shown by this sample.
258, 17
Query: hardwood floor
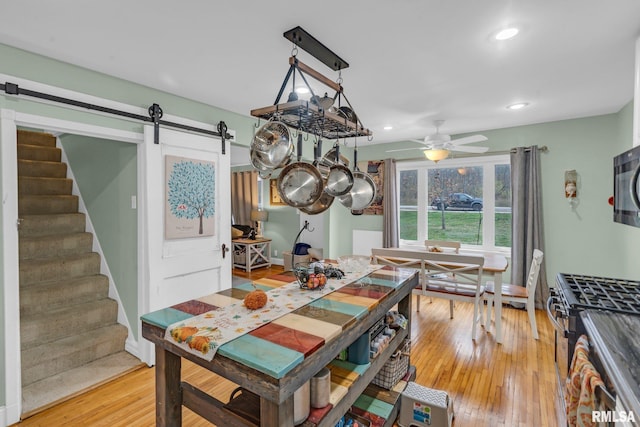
512, 384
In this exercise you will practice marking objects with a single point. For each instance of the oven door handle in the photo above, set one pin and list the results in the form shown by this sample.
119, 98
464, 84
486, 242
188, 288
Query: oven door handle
552, 318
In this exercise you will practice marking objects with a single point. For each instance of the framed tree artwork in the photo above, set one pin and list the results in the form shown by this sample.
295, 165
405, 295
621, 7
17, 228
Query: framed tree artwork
274, 197
190, 198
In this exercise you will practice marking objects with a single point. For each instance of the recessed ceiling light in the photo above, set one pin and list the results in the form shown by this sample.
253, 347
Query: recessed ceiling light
387, 127
517, 106
507, 33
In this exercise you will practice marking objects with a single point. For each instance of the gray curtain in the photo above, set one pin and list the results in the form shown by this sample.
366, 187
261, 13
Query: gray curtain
244, 196
527, 226
390, 218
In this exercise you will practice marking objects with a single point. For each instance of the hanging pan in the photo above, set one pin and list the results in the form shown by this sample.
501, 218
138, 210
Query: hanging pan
325, 200
300, 184
340, 179
363, 191
271, 147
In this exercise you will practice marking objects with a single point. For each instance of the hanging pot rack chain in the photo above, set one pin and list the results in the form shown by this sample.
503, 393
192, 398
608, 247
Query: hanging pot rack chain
297, 113
332, 124
155, 113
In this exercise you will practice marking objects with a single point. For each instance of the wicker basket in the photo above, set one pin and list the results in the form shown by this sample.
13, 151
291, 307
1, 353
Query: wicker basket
395, 368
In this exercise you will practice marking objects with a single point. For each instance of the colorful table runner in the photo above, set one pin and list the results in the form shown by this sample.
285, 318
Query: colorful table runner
202, 335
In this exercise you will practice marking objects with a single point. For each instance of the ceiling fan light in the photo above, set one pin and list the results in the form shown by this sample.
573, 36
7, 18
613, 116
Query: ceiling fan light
435, 155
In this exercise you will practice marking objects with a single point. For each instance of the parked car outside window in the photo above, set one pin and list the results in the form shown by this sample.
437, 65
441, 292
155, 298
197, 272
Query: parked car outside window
458, 201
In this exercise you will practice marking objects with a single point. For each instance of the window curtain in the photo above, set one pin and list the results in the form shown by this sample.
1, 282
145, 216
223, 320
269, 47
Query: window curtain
527, 226
244, 196
390, 218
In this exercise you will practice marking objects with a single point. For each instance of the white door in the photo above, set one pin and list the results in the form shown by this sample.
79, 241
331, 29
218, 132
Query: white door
194, 264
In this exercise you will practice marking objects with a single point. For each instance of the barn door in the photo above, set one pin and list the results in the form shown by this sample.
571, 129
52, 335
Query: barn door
187, 219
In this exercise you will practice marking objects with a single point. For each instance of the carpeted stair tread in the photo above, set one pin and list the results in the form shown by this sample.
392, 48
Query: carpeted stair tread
70, 337
36, 185
55, 245
52, 358
40, 153
44, 169
49, 326
45, 204
54, 390
42, 225
30, 137
39, 297
38, 270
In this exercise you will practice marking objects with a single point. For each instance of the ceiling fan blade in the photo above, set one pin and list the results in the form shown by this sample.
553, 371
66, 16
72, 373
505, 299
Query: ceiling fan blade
419, 141
468, 139
405, 149
470, 149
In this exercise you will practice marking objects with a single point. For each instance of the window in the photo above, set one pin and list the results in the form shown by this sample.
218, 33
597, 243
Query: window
468, 200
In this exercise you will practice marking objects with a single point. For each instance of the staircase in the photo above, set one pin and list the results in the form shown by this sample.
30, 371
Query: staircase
69, 335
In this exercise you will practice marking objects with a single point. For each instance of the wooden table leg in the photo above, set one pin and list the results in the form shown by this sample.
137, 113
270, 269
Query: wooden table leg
497, 282
272, 414
168, 390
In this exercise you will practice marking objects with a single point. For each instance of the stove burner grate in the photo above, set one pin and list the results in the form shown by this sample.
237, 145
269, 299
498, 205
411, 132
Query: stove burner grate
602, 293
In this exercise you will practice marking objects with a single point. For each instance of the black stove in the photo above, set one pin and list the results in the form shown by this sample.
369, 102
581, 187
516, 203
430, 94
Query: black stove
573, 295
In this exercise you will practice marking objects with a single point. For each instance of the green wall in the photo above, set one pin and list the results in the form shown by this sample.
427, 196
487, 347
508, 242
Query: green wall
106, 173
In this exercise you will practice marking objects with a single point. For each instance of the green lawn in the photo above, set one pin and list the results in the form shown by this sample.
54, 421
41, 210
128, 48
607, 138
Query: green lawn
465, 227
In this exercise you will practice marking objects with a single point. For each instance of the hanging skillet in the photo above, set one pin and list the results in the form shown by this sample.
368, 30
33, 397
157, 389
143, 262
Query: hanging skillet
340, 179
325, 200
363, 191
300, 184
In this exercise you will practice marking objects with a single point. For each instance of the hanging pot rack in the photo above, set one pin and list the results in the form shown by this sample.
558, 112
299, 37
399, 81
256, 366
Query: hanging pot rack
305, 115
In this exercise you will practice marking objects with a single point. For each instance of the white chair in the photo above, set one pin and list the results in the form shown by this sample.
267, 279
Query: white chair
449, 276
520, 294
434, 245
456, 278
400, 258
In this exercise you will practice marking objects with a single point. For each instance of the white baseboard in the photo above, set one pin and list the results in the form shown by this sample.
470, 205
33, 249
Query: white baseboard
3, 417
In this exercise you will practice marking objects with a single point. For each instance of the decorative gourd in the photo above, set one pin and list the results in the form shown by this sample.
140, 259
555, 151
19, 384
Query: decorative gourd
255, 299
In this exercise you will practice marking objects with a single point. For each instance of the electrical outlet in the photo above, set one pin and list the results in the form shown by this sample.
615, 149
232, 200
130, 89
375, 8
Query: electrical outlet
134, 202
275, 252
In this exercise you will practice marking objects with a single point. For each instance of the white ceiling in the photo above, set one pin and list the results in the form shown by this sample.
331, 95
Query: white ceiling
411, 61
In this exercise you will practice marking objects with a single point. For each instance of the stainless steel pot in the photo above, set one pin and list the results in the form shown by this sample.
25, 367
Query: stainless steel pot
339, 179
271, 147
362, 192
300, 184
325, 201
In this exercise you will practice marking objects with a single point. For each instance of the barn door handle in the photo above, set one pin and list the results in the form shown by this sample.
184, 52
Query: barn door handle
225, 249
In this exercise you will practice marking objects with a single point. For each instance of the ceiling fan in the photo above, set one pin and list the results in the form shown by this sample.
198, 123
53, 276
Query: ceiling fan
437, 146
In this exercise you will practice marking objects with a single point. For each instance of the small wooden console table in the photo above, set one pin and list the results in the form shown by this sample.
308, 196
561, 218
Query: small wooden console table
251, 253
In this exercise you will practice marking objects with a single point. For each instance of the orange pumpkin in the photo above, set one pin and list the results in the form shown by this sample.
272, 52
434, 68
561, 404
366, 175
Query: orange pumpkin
255, 299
